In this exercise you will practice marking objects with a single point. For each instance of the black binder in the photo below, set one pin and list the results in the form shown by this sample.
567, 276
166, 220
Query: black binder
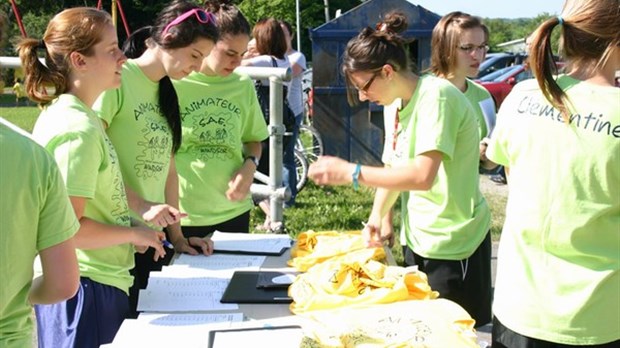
243, 288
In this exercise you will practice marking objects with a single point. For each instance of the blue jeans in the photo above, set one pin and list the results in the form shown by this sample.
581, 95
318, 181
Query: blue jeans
289, 171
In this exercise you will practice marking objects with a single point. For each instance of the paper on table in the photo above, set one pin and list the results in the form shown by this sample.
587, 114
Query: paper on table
187, 319
488, 111
253, 243
214, 266
171, 330
183, 295
220, 261
278, 337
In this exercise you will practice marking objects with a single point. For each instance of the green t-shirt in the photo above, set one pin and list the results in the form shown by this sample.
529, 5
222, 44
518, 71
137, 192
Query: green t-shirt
476, 95
139, 132
559, 255
74, 136
36, 214
218, 115
450, 220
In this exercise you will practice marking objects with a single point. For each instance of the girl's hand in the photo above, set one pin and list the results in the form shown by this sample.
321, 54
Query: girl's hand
162, 215
329, 170
143, 238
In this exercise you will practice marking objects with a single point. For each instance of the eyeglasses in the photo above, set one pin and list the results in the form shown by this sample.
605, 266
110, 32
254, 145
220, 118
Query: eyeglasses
202, 16
471, 48
366, 86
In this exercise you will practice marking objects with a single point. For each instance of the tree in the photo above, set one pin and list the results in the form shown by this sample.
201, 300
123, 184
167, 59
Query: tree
312, 14
503, 30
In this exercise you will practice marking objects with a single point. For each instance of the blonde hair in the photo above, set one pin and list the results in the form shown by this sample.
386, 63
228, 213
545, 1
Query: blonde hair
590, 32
445, 40
73, 30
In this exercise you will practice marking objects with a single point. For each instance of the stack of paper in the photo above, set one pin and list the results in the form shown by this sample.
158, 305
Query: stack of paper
194, 283
244, 243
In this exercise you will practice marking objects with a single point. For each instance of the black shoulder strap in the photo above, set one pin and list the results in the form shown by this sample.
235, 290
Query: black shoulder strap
273, 62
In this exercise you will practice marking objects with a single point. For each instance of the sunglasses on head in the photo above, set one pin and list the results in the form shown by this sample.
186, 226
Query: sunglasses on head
201, 15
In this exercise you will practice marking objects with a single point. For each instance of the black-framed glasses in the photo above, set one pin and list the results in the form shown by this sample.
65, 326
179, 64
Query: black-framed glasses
366, 86
471, 48
202, 16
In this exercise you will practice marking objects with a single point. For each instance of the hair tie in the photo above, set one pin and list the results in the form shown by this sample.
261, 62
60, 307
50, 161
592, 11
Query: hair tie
560, 20
41, 45
383, 27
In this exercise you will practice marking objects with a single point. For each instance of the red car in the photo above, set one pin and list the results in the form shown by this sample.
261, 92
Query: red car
499, 83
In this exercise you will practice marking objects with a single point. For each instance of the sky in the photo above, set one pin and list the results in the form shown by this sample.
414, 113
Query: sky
493, 8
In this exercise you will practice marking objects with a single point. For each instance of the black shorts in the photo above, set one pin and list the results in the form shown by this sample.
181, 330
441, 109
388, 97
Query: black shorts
240, 223
466, 282
503, 337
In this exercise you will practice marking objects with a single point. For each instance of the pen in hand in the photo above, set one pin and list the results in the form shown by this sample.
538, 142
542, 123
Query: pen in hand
167, 244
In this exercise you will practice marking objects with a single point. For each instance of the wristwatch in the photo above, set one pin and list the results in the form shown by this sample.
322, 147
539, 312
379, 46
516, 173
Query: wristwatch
254, 159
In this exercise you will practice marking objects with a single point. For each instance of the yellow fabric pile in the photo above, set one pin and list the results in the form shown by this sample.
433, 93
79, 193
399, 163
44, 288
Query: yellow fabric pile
356, 279
436, 323
316, 247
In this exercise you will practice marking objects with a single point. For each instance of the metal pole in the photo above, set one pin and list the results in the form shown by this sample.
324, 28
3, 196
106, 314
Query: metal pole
277, 131
298, 24
20, 24
326, 3
113, 12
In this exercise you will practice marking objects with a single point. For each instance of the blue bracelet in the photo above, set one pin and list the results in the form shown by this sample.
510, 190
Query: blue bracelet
355, 176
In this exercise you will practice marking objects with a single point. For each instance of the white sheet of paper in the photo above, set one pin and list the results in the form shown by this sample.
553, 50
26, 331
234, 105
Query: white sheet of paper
488, 111
171, 330
277, 337
220, 261
270, 243
165, 294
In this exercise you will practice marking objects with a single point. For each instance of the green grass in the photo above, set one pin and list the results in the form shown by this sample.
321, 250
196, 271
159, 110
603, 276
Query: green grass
23, 116
317, 208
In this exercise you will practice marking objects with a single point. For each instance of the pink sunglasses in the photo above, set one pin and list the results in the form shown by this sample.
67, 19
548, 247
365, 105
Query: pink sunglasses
202, 16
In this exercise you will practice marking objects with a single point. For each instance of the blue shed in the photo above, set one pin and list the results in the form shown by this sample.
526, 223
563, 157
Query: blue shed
356, 133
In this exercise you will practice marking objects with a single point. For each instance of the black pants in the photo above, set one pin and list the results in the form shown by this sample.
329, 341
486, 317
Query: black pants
144, 265
239, 224
503, 337
466, 282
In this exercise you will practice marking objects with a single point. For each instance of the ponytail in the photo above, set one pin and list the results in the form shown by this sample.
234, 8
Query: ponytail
169, 106
37, 76
544, 68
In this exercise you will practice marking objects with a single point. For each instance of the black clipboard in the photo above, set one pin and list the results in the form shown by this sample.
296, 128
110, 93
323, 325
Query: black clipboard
271, 329
242, 288
246, 252
275, 279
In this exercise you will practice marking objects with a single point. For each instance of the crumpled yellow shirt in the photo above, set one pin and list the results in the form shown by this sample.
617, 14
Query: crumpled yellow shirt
436, 323
316, 247
356, 279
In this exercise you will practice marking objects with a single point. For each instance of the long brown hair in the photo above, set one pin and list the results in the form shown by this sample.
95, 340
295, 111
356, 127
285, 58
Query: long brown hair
590, 31
372, 48
445, 41
270, 38
73, 30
